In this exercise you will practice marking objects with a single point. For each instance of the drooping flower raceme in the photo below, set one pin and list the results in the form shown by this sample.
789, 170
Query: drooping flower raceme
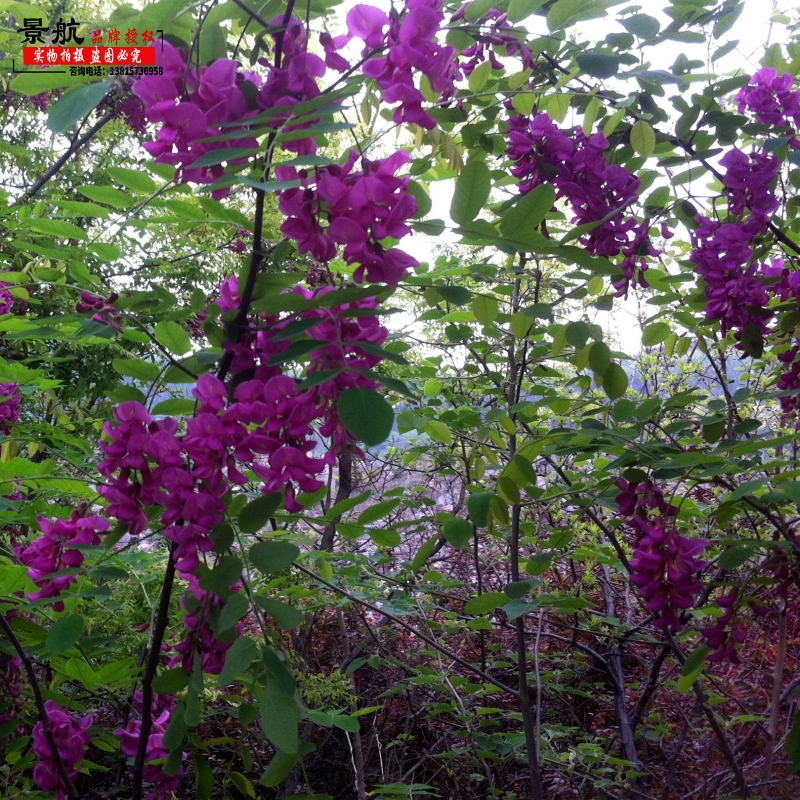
410, 42
190, 104
57, 550
665, 563
771, 98
200, 640
71, 737
597, 192
163, 785
361, 209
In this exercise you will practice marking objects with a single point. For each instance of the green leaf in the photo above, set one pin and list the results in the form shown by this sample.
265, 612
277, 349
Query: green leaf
598, 65
175, 406
257, 513
224, 575
136, 368
173, 337
520, 9
734, 557
478, 507
378, 511
752, 340
286, 617
64, 633
278, 769
483, 603
438, 431
458, 532
615, 381
479, 76
272, 557
107, 195
176, 730
385, 537
485, 309
518, 224
455, 295
564, 13
234, 609
577, 333
423, 554
171, 681
133, 179
75, 105
345, 505
642, 25
204, 777
241, 655
471, 192
56, 227
279, 715
692, 668
654, 334
599, 357
366, 415
242, 784
35, 82
643, 138
346, 723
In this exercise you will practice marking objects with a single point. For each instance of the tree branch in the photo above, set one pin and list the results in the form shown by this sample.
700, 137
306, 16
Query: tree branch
39, 700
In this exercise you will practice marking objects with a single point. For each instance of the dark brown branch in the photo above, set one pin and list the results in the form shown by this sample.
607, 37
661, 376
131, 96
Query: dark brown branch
153, 660
39, 700
71, 150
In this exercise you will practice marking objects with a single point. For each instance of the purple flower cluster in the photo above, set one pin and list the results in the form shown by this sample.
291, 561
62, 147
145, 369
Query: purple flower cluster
11, 699
719, 637
664, 564
723, 252
410, 43
56, 550
491, 33
771, 99
362, 208
598, 192
71, 737
200, 639
6, 299
10, 400
190, 104
193, 104
293, 81
104, 309
163, 785
267, 427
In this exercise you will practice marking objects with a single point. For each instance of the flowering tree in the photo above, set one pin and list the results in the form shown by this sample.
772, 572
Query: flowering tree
225, 472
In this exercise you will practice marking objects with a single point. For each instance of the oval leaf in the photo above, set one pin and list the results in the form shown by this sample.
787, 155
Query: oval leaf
75, 105
615, 381
471, 192
366, 415
174, 338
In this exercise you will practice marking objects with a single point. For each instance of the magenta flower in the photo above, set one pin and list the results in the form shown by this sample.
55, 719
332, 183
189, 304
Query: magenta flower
10, 402
71, 737
56, 550
664, 564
